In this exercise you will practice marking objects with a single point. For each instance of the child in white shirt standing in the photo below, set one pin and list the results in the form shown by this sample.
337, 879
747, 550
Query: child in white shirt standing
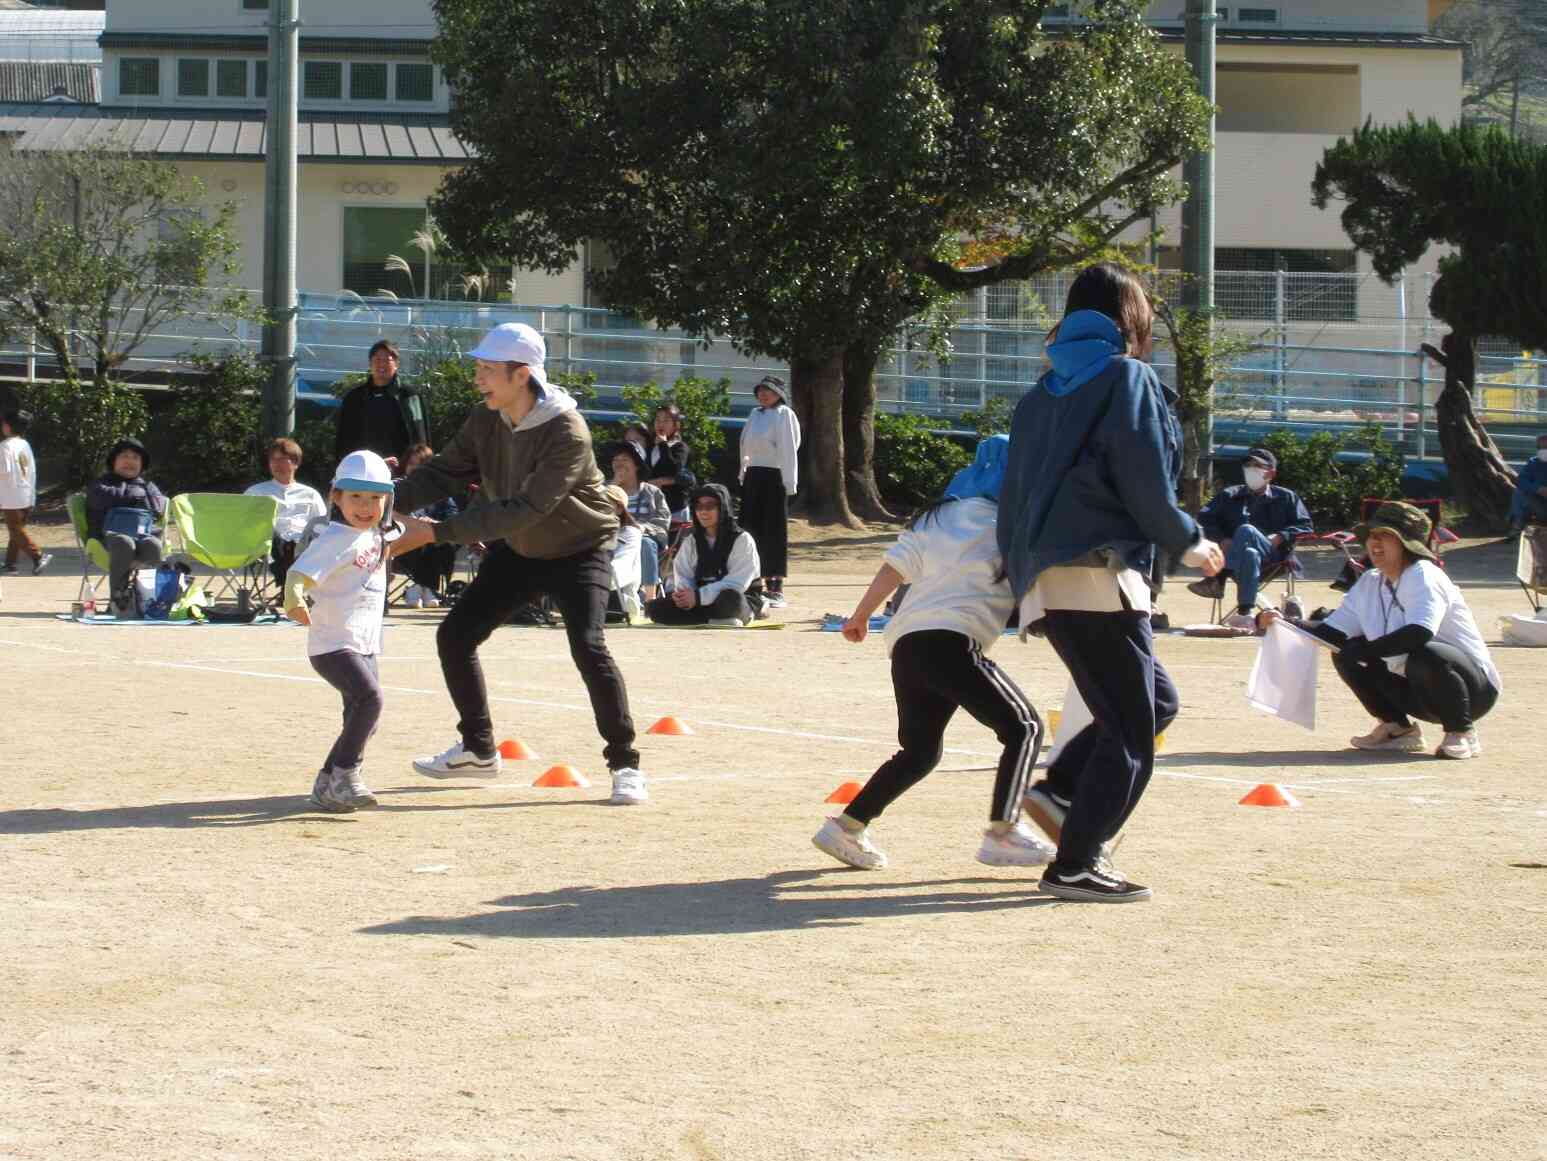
19, 491
344, 572
957, 607
299, 504
770, 475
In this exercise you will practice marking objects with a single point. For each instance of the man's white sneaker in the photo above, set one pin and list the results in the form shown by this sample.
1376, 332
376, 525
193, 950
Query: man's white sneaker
628, 787
1240, 620
1459, 745
1017, 847
459, 762
854, 849
1390, 736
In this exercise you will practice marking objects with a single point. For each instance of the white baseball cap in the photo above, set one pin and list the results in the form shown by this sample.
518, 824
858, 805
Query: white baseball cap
515, 343
362, 471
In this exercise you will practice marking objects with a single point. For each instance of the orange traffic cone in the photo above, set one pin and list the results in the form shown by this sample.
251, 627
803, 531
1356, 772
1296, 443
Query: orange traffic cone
559, 776
670, 725
515, 749
845, 794
1269, 794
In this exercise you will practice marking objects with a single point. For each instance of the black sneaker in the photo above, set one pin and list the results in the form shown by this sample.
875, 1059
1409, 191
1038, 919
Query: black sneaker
1099, 883
1210, 587
1045, 810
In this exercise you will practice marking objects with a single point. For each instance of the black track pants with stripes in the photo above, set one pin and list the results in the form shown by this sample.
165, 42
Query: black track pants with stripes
935, 672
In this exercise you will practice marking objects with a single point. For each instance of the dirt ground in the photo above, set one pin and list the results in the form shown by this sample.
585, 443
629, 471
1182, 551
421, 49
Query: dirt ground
197, 965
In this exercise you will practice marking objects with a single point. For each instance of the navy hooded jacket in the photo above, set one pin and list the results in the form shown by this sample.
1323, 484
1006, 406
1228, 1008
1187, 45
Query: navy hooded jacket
1095, 452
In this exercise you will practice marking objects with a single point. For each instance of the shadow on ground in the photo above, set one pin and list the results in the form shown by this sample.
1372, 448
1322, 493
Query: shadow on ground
1288, 760
783, 901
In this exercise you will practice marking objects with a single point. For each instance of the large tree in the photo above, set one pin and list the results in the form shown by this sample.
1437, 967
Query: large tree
1505, 58
1409, 187
100, 249
805, 175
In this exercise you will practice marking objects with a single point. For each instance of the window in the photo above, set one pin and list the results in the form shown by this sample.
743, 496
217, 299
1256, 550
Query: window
193, 78
415, 82
139, 77
372, 233
322, 80
1256, 15
230, 78
255, 5
367, 82
1320, 286
260, 79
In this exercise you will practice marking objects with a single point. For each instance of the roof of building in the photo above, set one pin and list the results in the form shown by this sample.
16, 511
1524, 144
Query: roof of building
28, 33
229, 135
45, 80
1322, 37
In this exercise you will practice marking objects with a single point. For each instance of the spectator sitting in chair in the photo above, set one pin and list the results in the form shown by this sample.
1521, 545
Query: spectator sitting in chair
429, 567
1529, 505
298, 504
1255, 525
716, 570
122, 510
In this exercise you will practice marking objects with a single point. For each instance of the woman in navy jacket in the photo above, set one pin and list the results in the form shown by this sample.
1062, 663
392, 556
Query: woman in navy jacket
1087, 522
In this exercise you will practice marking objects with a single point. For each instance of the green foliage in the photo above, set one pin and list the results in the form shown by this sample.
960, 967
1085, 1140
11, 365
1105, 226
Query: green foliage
1330, 489
913, 464
703, 403
994, 419
314, 429
208, 441
75, 423
101, 249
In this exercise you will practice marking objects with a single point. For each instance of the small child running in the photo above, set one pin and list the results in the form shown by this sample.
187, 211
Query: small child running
956, 608
344, 571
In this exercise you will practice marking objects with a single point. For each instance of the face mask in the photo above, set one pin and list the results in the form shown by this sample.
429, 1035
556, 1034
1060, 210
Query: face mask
1256, 479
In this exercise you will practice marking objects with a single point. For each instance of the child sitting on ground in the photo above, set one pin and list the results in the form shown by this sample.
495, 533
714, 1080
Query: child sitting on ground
122, 511
298, 504
344, 571
625, 556
19, 490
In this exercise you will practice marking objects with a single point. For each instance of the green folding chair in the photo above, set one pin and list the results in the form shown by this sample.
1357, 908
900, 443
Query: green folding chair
93, 551
229, 536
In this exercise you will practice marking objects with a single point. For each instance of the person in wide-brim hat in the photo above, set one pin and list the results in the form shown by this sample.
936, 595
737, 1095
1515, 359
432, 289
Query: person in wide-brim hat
1408, 524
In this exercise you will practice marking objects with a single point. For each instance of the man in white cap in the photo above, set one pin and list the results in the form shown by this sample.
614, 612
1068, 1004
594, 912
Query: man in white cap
549, 527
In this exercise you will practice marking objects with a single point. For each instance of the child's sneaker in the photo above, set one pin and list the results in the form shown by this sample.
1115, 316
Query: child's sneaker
353, 789
41, 563
459, 762
853, 848
1016, 847
322, 794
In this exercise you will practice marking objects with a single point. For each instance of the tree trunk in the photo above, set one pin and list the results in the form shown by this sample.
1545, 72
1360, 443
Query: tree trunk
1479, 478
859, 433
818, 388
1195, 475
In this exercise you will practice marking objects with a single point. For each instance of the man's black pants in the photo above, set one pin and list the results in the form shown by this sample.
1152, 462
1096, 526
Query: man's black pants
578, 585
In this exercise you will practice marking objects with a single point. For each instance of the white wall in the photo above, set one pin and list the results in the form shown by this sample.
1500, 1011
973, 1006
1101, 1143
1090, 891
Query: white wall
1320, 15
1278, 98
405, 19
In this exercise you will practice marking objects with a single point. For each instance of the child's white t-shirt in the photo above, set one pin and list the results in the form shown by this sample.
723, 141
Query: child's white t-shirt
18, 474
349, 567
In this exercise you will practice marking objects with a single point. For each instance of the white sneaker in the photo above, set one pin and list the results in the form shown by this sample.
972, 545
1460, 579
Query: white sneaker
1459, 745
854, 849
628, 787
1017, 847
725, 622
1390, 736
458, 762
1240, 620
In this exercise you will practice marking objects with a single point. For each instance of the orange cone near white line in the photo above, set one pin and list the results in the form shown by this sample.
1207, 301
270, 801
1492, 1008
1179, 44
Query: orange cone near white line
561, 776
1269, 794
675, 727
515, 749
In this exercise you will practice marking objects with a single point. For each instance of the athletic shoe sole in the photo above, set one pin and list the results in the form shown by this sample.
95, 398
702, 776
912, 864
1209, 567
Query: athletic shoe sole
1410, 745
997, 858
469, 771
1075, 894
629, 799
837, 852
329, 805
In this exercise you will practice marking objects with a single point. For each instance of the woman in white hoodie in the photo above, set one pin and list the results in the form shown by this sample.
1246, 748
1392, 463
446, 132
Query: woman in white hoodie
957, 607
769, 477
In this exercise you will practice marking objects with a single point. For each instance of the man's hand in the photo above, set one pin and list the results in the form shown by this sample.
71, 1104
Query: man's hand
300, 615
684, 598
856, 628
391, 462
416, 534
1266, 618
1205, 555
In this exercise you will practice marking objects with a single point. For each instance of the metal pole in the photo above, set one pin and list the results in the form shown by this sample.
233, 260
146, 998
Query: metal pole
1198, 173
279, 219
1423, 378
1280, 359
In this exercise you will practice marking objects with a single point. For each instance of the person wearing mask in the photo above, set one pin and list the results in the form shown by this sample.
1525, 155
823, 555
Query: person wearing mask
666, 460
549, 528
715, 570
1407, 644
1255, 525
1529, 503
769, 477
383, 414
1087, 520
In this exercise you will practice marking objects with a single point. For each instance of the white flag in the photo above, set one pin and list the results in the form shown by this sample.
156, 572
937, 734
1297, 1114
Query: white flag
1283, 678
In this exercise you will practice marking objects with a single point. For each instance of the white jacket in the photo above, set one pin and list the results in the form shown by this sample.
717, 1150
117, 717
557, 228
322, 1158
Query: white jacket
741, 570
770, 439
951, 560
18, 474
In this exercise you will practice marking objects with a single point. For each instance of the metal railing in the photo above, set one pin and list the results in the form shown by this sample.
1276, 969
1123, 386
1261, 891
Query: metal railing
1298, 372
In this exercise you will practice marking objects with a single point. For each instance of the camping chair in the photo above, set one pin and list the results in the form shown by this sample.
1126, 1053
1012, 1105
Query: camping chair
1287, 570
1354, 566
230, 536
1531, 565
93, 551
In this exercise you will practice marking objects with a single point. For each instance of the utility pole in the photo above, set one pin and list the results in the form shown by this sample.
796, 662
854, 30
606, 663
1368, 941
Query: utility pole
279, 180
1198, 210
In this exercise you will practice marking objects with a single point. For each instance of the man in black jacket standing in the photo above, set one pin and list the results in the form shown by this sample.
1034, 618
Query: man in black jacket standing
382, 414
